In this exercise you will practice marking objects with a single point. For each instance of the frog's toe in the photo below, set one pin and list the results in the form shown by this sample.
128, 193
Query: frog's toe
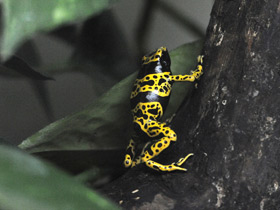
184, 159
127, 161
176, 167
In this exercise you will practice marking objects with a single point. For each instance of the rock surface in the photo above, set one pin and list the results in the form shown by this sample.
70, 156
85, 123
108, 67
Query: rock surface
231, 122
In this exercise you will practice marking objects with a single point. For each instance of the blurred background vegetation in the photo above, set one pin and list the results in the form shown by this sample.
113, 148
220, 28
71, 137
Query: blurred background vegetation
59, 60
85, 51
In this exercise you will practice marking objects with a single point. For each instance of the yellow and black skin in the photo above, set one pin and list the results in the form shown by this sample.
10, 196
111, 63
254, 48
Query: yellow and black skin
149, 99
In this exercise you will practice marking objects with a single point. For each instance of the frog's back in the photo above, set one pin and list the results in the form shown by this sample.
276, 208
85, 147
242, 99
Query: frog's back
152, 87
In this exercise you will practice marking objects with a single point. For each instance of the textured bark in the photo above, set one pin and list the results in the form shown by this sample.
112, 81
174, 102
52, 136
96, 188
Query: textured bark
231, 122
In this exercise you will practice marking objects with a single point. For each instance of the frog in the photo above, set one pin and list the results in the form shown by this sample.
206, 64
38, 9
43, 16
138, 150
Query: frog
148, 100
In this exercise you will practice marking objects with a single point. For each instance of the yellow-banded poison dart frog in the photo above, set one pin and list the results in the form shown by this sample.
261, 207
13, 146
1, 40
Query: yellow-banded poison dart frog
149, 99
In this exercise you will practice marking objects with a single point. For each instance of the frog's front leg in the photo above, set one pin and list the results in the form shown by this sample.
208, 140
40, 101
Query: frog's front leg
130, 153
196, 74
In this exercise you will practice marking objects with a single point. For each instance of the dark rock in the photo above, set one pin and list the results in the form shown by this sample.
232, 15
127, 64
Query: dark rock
231, 122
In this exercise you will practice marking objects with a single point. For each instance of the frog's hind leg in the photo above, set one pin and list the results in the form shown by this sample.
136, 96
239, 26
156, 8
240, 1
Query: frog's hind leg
130, 153
172, 167
168, 136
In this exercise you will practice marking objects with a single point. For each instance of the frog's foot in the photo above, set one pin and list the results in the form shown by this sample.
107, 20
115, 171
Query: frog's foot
195, 75
172, 167
159, 167
127, 161
130, 153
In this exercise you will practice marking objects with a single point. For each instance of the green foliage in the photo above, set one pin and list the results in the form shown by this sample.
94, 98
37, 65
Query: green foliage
23, 18
29, 183
101, 129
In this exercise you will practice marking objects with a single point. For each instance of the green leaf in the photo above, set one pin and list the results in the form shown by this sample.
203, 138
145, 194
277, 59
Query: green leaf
21, 19
106, 123
14, 63
29, 183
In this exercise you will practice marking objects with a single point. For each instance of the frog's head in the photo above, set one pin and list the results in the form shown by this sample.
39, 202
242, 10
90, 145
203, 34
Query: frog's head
127, 161
158, 61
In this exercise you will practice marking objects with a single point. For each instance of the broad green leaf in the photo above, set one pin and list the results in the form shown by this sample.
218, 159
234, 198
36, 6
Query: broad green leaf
22, 18
106, 123
29, 183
